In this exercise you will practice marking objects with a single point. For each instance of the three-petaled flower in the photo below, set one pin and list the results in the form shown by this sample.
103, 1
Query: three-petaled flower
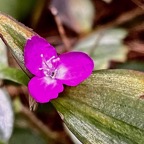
52, 70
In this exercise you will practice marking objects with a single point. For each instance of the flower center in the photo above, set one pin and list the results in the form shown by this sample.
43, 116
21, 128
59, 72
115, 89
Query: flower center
49, 67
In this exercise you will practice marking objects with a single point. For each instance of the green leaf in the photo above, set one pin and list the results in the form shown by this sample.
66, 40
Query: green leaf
104, 46
106, 108
17, 9
14, 35
6, 116
8, 73
14, 75
133, 65
25, 136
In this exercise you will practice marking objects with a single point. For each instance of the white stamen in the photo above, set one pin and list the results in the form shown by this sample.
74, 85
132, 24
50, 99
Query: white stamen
50, 59
40, 68
48, 66
41, 55
56, 60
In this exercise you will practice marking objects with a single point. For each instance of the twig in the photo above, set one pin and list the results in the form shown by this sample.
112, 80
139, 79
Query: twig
139, 4
50, 135
60, 28
121, 19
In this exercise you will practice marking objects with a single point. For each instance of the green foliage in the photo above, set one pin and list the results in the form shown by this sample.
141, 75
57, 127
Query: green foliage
134, 65
106, 108
7, 73
14, 75
15, 35
19, 9
25, 136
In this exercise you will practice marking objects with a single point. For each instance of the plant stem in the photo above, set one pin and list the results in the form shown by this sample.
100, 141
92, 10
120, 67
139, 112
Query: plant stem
60, 28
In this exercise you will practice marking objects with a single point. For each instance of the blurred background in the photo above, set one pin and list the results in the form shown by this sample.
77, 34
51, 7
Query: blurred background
110, 31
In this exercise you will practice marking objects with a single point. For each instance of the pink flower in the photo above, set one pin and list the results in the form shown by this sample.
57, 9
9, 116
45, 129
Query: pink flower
52, 70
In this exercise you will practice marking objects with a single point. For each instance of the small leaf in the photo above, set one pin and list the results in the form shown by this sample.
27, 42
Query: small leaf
104, 46
6, 116
106, 108
14, 75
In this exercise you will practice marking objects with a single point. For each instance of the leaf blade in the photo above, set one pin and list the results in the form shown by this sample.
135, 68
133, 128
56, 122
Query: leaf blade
109, 102
14, 75
15, 34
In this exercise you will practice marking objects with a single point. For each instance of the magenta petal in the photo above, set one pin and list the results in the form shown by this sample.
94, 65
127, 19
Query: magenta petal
32, 54
74, 68
44, 89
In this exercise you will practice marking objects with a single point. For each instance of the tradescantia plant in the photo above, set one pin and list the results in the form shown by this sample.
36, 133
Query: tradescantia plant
107, 108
